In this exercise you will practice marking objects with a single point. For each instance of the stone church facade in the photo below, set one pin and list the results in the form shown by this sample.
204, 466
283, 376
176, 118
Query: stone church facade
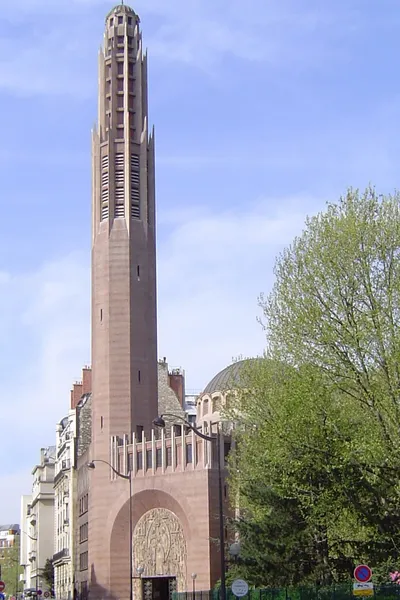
174, 473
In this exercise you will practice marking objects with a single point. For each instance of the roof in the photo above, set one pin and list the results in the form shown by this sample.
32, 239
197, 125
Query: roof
11, 527
227, 378
121, 8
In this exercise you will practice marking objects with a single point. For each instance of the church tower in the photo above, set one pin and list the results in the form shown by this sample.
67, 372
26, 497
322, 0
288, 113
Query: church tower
124, 322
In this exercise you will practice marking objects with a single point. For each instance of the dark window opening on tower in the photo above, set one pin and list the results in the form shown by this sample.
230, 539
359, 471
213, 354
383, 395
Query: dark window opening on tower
120, 20
138, 272
101, 422
111, 22
138, 376
120, 39
139, 431
101, 314
120, 67
139, 461
129, 20
130, 40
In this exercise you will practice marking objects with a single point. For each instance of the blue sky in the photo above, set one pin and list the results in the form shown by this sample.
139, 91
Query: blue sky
263, 110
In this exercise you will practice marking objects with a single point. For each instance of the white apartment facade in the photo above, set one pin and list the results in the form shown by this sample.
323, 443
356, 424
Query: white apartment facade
64, 494
37, 522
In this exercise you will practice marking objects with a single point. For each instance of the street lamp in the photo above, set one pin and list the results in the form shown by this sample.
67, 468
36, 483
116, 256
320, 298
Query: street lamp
92, 465
160, 422
32, 559
194, 575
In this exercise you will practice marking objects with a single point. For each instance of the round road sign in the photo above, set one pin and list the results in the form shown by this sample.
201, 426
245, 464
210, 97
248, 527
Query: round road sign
362, 573
2, 586
46, 594
39, 592
240, 588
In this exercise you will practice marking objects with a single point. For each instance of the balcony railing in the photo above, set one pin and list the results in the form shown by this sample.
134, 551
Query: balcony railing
64, 553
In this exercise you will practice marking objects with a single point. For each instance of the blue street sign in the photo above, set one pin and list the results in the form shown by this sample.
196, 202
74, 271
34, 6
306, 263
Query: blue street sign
2, 596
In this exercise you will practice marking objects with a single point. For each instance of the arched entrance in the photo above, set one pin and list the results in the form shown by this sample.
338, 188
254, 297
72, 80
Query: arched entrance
159, 551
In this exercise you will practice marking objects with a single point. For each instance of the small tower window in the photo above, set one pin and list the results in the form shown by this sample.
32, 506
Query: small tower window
101, 314
111, 22
120, 20
101, 422
138, 272
139, 376
129, 20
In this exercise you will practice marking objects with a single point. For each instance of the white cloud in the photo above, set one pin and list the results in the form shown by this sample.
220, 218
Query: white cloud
57, 54
44, 327
212, 266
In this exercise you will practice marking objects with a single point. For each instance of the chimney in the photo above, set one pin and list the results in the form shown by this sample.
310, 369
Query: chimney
86, 380
76, 394
176, 381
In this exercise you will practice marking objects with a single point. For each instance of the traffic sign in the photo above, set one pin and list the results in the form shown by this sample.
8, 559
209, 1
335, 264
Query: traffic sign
39, 592
362, 573
240, 588
363, 589
46, 594
2, 586
2, 596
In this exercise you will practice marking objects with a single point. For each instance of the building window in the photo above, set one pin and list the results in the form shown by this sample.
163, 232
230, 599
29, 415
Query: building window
131, 68
84, 590
120, 20
138, 272
169, 456
129, 20
149, 458
139, 461
101, 422
120, 101
139, 376
83, 561
130, 40
189, 453
83, 504
158, 457
120, 85
139, 431
83, 533
131, 83
120, 39
120, 68
120, 118
111, 22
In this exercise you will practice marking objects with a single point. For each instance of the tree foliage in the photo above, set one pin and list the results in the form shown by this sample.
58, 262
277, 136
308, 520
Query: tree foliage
10, 569
317, 461
48, 573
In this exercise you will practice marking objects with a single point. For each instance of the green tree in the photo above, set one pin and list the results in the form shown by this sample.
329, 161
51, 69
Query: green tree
317, 463
10, 568
48, 573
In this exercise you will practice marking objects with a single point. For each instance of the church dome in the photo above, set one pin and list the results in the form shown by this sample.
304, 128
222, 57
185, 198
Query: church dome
227, 378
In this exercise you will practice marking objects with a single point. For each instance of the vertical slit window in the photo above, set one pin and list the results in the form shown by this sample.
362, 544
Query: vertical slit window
119, 205
135, 186
104, 188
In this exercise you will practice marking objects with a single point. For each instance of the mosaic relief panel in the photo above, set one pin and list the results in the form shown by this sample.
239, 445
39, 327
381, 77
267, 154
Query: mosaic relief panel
159, 546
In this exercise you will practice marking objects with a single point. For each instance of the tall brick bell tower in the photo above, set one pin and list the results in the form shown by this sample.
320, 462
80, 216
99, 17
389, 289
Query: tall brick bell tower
124, 322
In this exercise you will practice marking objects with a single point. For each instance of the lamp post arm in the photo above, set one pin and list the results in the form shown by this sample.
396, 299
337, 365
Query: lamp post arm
127, 477
200, 434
